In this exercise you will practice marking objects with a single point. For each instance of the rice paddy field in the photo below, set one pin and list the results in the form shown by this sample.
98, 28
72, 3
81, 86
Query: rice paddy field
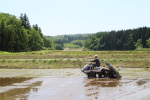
56, 75
73, 59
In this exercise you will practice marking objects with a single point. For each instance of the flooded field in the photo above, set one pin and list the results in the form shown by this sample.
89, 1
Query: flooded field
72, 84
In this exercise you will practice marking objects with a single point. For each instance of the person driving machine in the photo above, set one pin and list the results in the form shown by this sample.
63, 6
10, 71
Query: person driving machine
96, 64
97, 61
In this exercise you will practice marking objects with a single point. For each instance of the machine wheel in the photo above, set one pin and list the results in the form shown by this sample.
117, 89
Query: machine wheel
91, 75
106, 73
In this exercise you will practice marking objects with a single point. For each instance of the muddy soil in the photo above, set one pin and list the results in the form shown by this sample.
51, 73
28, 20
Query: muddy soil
71, 84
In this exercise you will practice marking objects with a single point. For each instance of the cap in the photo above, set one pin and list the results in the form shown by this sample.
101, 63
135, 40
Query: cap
95, 56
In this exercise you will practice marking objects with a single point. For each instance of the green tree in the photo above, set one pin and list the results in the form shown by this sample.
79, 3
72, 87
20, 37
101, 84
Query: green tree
129, 45
12, 34
77, 42
25, 21
35, 40
48, 43
118, 44
59, 47
139, 44
148, 42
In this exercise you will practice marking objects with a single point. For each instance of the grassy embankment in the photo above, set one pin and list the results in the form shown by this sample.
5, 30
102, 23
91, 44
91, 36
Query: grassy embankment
73, 59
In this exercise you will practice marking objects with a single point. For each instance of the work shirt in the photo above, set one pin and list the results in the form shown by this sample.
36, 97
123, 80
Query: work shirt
97, 62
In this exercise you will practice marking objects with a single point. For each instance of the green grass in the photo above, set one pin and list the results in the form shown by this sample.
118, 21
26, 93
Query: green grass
69, 63
68, 45
55, 54
71, 59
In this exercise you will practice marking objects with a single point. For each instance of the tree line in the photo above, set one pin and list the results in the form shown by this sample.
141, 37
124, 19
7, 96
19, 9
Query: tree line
16, 34
76, 40
129, 39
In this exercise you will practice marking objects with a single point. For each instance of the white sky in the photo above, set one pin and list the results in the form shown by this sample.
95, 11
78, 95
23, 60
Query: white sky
59, 17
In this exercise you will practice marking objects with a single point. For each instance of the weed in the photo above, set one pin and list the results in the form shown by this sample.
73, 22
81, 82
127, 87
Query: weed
54, 60
50, 61
33, 60
9, 61
25, 61
17, 60
3, 61
45, 61
68, 60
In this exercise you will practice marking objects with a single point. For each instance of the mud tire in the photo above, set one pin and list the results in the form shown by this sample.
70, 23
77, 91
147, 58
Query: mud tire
104, 73
91, 75
107, 74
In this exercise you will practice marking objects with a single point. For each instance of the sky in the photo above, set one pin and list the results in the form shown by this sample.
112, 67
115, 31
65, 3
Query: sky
63, 17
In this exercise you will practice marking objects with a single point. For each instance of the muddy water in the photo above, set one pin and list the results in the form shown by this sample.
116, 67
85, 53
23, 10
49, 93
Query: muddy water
73, 88
71, 84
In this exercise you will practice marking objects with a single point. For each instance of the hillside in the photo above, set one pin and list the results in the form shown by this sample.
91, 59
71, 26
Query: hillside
129, 39
69, 41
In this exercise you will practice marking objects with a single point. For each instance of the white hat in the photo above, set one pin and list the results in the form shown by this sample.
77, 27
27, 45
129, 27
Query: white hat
95, 56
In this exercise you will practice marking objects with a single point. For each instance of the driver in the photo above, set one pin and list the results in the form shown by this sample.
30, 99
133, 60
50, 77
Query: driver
97, 61
97, 64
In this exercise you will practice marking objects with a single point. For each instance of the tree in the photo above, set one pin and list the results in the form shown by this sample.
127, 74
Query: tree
129, 45
59, 47
77, 42
25, 21
148, 42
12, 34
35, 40
139, 44
48, 43
16, 35
118, 44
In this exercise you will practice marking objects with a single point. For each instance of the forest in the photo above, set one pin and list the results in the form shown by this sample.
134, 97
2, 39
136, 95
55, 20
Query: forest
129, 39
69, 41
17, 35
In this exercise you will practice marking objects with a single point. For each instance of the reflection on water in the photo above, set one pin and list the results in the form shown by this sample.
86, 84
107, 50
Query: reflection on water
141, 82
59, 88
93, 87
103, 83
10, 80
17, 91
97, 86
